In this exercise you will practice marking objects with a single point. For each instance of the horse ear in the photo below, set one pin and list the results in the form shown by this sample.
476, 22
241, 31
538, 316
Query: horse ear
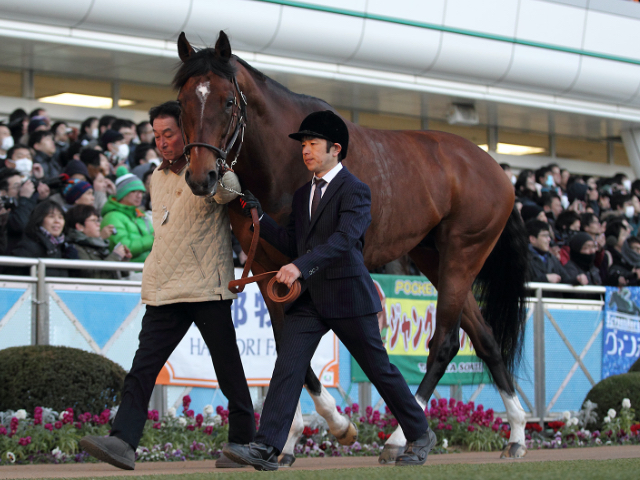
185, 50
223, 47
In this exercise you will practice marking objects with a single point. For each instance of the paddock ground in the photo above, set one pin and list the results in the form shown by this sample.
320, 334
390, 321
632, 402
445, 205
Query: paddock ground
368, 467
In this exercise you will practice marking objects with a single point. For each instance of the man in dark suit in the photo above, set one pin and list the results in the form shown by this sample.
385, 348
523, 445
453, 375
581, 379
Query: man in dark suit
325, 235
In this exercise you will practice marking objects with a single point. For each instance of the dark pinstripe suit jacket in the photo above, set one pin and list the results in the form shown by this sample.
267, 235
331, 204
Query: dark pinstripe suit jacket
328, 247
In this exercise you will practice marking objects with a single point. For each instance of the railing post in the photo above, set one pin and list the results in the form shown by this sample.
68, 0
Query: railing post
538, 358
33, 272
42, 307
364, 394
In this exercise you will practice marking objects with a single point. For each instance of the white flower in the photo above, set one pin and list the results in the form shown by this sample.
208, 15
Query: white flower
182, 421
56, 452
11, 457
217, 420
21, 414
626, 403
607, 419
573, 421
611, 413
445, 443
171, 412
62, 414
598, 441
208, 409
566, 415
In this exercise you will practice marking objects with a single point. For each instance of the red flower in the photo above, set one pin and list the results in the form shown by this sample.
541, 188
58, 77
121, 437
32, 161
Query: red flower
471, 428
3, 431
338, 409
208, 429
49, 427
186, 401
557, 425
307, 432
24, 441
191, 427
189, 413
534, 426
157, 426
58, 425
78, 425
199, 420
381, 435
635, 428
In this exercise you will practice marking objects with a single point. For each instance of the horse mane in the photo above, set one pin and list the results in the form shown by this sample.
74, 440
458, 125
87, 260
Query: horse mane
205, 60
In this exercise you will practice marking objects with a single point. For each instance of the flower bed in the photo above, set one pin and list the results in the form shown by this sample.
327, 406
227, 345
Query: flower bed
52, 437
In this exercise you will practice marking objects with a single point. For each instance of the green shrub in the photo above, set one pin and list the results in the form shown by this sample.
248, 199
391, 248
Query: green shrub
610, 392
58, 378
635, 367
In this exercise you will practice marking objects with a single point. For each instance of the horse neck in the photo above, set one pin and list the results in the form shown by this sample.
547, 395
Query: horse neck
275, 163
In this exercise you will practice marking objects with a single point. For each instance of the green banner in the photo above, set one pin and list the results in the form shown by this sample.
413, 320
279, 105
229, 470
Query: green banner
407, 324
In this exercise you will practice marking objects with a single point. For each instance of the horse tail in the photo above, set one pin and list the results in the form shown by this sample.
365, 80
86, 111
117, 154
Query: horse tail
500, 291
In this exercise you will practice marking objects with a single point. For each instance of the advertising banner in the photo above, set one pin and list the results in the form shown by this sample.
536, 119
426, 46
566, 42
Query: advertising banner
407, 325
190, 363
621, 333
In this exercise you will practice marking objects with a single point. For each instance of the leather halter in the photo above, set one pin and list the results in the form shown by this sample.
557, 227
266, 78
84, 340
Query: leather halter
221, 153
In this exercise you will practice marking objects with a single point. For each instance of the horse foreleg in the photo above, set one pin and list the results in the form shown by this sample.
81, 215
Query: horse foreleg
288, 452
340, 426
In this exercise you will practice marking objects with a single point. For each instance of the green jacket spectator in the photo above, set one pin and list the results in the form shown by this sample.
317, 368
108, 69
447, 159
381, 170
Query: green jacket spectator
132, 227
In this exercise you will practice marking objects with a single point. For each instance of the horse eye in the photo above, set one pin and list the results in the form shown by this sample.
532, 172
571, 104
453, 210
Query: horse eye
229, 103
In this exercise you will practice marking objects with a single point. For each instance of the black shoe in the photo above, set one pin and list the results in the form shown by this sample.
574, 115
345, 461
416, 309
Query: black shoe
225, 462
415, 453
112, 450
258, 455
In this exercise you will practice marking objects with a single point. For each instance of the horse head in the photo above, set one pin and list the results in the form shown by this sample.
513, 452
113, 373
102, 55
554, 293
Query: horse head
213, 111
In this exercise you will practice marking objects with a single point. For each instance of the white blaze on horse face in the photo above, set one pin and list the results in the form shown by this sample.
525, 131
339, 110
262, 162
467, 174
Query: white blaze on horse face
203, 92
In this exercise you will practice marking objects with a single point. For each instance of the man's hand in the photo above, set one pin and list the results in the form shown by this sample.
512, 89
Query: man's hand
288, 274
106, 231
37, 171
553, 278
247, 202
27, 189
582, 279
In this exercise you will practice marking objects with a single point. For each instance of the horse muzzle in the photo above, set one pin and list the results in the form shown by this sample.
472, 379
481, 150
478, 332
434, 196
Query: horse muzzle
202, 185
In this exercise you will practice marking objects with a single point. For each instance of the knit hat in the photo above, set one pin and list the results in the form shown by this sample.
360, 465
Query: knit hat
578, 240
74, 189
76, 166
127, 183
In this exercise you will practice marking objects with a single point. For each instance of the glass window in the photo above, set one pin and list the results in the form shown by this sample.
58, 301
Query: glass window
10, 84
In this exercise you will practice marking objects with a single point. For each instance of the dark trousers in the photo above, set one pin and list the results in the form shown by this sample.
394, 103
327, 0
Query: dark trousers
301, 334
162, 329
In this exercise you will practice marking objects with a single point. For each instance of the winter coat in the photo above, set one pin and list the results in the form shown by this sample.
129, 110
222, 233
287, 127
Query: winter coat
593, 274
133, 228
90, 248
39, 246
191, 260
538, 268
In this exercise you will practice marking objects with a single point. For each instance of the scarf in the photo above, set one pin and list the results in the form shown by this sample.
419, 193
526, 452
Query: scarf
54, 240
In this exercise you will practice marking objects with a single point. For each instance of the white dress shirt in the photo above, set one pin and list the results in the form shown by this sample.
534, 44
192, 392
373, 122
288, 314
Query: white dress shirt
330, 175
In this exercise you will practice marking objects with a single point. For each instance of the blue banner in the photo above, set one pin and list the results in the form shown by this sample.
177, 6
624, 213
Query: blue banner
621, 334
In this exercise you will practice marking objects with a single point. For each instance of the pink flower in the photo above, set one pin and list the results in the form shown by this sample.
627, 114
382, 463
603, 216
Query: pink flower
471, 428
434, 403
58, 425
338, 409
369, 411
3, 431
49, 427
191, 427
186, 401
157, 426
440, 426
460, 419
347, 410
219, 410
189, 413
355, 408
78, 425
24, 441
199, 420
452, 402
208, 429
442, 402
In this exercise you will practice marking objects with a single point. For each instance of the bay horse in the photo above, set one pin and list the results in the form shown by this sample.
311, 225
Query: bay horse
436, 196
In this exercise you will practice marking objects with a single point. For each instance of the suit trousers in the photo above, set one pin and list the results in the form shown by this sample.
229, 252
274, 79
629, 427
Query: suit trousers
302, 332
163, 328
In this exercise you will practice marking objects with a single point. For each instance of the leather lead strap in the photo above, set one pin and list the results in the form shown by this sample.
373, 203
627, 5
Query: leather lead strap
273, 287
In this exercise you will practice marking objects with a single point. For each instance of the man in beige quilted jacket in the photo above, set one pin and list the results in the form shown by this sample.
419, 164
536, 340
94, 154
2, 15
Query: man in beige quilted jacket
184, 281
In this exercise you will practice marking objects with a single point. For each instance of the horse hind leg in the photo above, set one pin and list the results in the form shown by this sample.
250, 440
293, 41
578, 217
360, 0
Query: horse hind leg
340, 426
488, 351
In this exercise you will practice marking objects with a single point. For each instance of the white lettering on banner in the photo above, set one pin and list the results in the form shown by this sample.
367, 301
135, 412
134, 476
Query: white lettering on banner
622, 321
190, 363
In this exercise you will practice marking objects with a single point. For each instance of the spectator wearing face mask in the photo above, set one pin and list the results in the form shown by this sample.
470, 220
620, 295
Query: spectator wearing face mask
45, 148
582, 257
61, 132
627, 205
526, 189
84, 233
89, 132
145, 158
133, 227
115, 148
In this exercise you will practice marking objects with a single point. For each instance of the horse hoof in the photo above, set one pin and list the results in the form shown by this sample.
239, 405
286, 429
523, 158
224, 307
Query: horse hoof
389, 454
286, 460
349, 436
514, 450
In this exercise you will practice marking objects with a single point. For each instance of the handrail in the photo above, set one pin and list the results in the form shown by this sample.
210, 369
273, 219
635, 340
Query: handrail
72, 264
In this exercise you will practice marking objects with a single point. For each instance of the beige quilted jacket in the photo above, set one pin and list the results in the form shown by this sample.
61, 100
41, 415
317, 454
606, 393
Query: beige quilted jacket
191, 258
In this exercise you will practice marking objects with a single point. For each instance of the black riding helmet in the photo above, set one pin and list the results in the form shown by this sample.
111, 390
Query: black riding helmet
327, 125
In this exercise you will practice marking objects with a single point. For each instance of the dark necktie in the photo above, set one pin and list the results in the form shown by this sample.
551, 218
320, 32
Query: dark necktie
317, 194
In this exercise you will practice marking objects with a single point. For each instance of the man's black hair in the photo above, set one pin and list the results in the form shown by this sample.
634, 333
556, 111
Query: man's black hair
619, 199
79, 214
86, 124
36, 137
18, 146
166, 109
140, 126
566, 219
547, 198
587, 219
89, 156
534, 227
505, 166
541, 174
140, 153
35, 112
120, 123
5, 175
106, 121
614, 226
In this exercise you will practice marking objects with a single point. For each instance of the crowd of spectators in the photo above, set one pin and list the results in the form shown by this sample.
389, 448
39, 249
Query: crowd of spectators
582, 230
75, 193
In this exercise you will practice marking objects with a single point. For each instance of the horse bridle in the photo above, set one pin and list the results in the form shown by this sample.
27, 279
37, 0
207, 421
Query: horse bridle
221, 153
